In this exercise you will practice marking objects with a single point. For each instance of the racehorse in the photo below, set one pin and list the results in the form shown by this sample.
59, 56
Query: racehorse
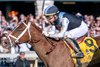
54, 53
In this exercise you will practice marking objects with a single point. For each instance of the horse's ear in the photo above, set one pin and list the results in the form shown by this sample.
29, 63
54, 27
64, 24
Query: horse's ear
27, 19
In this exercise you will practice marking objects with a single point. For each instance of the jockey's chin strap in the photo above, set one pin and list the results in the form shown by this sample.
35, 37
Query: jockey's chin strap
27, 28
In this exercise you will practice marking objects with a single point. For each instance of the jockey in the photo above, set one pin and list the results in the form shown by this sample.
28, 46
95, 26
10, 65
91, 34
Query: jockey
67, 24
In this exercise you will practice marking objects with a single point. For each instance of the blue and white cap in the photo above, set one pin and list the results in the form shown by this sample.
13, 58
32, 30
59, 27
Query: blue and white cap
51, 10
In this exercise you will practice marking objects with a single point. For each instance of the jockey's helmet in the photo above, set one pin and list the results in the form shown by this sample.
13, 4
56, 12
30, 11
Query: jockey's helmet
51, 10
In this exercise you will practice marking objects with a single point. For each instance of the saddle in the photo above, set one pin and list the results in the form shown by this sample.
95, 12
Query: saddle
81, 39
88, 47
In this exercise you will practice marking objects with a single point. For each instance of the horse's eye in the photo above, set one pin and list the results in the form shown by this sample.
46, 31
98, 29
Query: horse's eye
5, 42
20, 29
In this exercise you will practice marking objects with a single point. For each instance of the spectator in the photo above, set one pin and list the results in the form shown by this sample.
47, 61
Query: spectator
91, 24
4, 45
22, 61
91, 32
1, 47
86, 17
22, 18
97, 27
9, 30
14, 19
0, 16
1, 29
4, 23
98, 22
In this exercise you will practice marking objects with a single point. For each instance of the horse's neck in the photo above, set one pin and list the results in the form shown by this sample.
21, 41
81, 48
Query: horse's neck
49, 50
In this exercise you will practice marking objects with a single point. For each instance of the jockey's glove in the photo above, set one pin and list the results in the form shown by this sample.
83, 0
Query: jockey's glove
45, 33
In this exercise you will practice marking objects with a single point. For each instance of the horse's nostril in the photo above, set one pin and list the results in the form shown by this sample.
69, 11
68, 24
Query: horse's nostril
5, 42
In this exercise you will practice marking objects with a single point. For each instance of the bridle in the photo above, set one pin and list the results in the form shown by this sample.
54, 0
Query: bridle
26, 29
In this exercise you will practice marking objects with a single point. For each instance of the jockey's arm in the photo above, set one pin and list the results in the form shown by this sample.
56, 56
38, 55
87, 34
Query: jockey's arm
50, 29
53, 30
44, 22
61, 34
46, 28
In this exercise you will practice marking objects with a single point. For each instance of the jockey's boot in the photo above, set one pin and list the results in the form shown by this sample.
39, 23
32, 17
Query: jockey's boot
77, 49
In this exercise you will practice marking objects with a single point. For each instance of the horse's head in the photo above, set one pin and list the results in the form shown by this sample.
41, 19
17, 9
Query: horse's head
21, 33
25, 32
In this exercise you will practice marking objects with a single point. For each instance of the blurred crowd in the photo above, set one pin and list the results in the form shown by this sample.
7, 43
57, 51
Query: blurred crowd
93, 24
8, 25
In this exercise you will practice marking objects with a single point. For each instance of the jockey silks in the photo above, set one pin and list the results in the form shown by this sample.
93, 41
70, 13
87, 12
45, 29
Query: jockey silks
74, 21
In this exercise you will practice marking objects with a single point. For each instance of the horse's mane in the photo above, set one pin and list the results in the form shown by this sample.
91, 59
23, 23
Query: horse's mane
34, 25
